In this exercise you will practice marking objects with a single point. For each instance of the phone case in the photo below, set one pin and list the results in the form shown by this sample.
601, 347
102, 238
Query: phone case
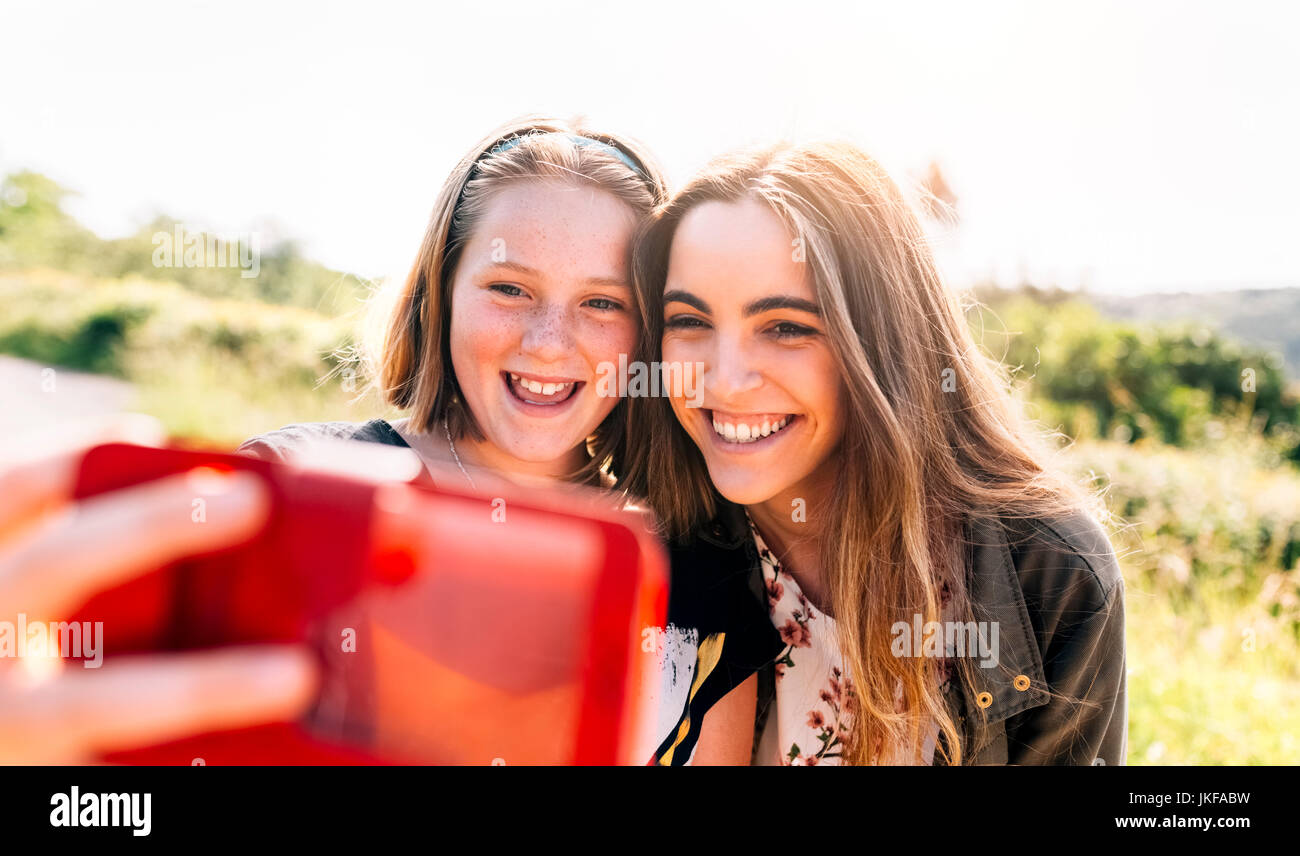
452, 627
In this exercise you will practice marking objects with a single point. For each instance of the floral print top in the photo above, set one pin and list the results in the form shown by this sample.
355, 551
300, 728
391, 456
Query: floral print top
815, 700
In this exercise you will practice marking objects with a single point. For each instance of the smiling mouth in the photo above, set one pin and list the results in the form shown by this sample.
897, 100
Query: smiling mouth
741, 430
532, 390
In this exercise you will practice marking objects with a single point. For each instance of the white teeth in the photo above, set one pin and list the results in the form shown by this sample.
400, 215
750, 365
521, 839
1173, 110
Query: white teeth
539, 387
746, 433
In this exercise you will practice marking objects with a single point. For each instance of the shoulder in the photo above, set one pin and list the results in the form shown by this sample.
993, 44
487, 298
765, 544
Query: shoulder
1062, 625
1051, 580
717, 586
716, 560
1070, 549
716, 605
280, 444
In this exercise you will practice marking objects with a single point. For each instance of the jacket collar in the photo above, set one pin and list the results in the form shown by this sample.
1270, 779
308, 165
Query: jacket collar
995, 592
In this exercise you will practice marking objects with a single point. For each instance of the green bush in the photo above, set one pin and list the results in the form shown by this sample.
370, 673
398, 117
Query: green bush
1180, 384
211, 370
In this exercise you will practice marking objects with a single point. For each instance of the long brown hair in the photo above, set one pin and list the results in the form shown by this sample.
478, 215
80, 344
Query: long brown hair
412, 364
932, 434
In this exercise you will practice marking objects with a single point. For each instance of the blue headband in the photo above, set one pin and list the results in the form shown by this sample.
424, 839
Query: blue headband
584, 142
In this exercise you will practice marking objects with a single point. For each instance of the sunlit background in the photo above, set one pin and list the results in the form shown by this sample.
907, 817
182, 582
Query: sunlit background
1124, 146
1122, 180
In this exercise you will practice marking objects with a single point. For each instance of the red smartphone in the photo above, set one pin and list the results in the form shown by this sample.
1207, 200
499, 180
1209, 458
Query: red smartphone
453, 627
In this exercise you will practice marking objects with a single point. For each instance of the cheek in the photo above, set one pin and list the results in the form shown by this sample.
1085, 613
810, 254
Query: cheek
601, 344
483, 332
675, 350
605, 341
813, 377
826, 396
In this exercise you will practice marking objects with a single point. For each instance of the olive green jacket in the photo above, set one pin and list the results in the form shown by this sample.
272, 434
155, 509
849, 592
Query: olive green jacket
1055, 590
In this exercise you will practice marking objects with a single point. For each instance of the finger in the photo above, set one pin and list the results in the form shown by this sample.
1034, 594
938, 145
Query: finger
108, 539
37, 474
140, 701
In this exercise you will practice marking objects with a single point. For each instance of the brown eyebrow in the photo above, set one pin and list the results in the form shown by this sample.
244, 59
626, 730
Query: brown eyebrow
679, 296
781, 301
755, 307
525, 270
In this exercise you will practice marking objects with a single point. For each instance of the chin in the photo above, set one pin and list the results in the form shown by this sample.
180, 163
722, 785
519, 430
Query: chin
744, 488
543, 452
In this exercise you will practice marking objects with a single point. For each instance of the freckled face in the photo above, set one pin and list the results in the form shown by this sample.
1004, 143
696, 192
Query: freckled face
541, 297
737, 300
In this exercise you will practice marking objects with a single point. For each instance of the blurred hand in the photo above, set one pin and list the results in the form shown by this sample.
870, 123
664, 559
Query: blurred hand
56, 553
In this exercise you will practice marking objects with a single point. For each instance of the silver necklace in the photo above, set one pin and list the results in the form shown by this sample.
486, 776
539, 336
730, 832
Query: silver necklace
455, 456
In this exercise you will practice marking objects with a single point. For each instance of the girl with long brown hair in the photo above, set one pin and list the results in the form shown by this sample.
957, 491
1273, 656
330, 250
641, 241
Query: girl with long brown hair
937, 591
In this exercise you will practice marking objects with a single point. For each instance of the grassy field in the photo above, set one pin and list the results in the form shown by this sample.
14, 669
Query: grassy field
1208, 533
1208, 541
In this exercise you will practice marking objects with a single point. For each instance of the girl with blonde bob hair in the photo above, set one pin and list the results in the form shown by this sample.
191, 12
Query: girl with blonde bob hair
520, 291
937, 592
495, 343
416, 365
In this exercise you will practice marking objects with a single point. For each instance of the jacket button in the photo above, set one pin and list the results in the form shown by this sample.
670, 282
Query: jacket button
984, 699
1022, 682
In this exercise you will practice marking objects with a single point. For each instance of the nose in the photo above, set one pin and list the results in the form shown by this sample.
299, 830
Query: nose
729, 372
549, 335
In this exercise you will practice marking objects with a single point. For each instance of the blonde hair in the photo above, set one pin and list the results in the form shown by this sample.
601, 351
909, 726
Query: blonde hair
412, 364
918, 456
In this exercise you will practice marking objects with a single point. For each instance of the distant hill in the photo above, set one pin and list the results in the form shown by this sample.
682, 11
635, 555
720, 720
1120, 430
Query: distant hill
1263, 317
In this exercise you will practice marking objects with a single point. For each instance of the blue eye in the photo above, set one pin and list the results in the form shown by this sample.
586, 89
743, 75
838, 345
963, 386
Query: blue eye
605, 304
507, 289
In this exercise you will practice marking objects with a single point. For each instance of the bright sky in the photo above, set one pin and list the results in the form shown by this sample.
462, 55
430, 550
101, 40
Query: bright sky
1129, 146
